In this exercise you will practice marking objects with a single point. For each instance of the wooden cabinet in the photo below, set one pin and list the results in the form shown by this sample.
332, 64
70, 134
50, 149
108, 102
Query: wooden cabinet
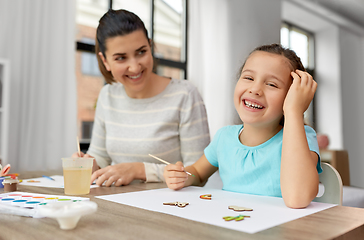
4, 109
339, 159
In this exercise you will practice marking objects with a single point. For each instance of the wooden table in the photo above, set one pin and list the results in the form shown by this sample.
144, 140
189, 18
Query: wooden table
118, 221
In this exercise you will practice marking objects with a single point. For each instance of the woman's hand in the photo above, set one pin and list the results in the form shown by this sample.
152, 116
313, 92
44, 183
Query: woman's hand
175, 176
119, 174
300, 94
95, 167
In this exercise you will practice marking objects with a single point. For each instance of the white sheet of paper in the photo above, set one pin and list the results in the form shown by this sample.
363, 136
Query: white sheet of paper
45, 182
267, 211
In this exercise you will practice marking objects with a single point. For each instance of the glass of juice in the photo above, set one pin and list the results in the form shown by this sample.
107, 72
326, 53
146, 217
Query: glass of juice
77, 175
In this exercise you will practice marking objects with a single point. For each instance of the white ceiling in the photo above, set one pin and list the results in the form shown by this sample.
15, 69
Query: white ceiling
352, 10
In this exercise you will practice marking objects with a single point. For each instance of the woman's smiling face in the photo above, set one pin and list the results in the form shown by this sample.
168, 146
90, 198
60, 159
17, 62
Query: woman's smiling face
262, 87
130, 60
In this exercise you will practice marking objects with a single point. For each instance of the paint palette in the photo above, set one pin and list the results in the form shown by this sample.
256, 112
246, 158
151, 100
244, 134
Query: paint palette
25, 204
33, 200
65, 209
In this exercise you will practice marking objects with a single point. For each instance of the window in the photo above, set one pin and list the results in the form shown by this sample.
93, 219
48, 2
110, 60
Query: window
302, 42
89, 64
165, 21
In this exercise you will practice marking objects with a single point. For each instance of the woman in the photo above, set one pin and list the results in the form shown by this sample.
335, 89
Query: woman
139, 112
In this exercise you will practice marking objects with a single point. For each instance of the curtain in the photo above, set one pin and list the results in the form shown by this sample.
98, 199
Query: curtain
208, 59
38, 39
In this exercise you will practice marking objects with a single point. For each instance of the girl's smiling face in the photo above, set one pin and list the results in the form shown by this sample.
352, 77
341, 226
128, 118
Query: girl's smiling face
130, 60
261, 89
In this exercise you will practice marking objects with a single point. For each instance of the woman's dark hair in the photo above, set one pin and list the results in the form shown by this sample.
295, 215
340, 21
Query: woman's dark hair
278, 49
115, 23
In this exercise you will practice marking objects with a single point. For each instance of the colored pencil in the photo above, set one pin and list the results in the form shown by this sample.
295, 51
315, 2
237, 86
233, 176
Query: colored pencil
49, 177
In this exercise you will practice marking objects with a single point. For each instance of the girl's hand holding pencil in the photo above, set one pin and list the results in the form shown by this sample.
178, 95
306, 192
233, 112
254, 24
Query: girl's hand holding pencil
175, 176
165, 162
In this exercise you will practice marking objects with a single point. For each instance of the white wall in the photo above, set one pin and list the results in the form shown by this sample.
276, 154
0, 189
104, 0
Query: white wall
328, 100
352, 83
339, 65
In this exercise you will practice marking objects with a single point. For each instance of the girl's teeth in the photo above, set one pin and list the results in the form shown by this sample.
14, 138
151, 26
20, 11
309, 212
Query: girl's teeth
253, 105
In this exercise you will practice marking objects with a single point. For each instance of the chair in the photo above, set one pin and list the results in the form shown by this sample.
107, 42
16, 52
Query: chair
331, 180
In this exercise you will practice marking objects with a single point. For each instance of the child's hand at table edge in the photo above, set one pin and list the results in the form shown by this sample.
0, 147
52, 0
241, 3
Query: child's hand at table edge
175, 176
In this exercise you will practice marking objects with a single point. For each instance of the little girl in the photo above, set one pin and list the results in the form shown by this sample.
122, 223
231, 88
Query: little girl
273, 153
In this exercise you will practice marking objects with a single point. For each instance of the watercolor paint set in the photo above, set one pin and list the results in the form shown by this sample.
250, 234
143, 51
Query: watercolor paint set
26, 204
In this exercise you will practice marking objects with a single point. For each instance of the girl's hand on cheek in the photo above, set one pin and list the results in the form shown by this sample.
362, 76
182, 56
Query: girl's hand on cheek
300, 94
